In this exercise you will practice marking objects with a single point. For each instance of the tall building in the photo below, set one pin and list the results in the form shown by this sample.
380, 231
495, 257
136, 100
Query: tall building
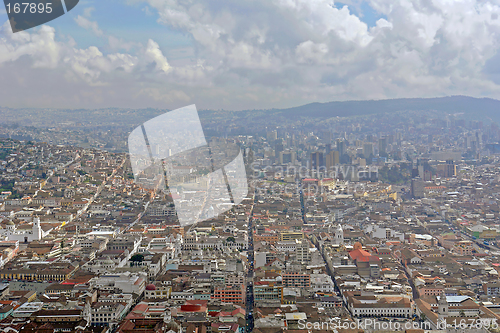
317, 160
447, 170
302, 253
332, 159
424, 169
382, 145
336, 157
417, 188
296, 279
230, 293
367, 149
341, 147
451, 168
287, 157
278, 148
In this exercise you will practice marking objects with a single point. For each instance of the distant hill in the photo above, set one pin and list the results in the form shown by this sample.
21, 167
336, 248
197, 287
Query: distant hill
470, 106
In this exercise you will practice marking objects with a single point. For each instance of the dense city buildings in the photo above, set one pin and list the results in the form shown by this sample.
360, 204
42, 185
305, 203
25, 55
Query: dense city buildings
346, 219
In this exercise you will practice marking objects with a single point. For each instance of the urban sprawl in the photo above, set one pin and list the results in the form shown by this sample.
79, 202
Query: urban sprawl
354, 226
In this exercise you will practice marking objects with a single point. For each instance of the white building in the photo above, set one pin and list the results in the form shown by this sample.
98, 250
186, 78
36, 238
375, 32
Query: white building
126, 299
107, 313
286, 246
26, 309
338, 235
371, 306
182, 295
126, 283
383, 233
322, 283
25, 235
302, 253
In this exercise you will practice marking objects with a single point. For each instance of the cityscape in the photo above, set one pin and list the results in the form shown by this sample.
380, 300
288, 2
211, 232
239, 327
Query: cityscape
356, 223
250, 166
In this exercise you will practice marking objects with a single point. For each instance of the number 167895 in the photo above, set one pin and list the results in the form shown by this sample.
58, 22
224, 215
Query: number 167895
29, 7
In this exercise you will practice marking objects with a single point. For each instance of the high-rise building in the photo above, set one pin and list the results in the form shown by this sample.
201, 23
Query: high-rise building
421, 171
317, 160
278, 147
341, 147
367, 149
382, 145
390, 139
422, 167
302, 253
332, 159
417, 188
451, 168
446, 170
336, 157
287, 157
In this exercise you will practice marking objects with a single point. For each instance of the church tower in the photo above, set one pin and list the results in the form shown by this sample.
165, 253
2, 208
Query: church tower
11, 227
338, 235
442, 306
37, 229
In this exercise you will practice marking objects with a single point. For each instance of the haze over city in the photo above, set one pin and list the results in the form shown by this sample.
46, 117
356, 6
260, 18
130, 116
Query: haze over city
264, 166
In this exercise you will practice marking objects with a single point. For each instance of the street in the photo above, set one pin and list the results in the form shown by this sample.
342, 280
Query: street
250, 300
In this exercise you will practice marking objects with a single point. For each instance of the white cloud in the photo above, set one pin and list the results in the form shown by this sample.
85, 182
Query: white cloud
277, 53
89, 64
154, 54
420, 48
89, 25
44, 51
311, 52
40, 70
147, 11
116, 44
87, 12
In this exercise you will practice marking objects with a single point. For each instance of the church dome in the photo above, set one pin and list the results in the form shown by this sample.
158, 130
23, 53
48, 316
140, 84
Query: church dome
108, 261
151, 287
190, 307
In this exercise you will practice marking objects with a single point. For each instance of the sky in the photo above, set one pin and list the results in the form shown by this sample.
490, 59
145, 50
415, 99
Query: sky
251, 54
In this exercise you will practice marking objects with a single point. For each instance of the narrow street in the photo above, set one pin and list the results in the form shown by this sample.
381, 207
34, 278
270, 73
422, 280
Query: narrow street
329, 269
249, 286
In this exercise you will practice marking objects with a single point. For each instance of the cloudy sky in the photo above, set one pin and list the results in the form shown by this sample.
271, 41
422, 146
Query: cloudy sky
251, 54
